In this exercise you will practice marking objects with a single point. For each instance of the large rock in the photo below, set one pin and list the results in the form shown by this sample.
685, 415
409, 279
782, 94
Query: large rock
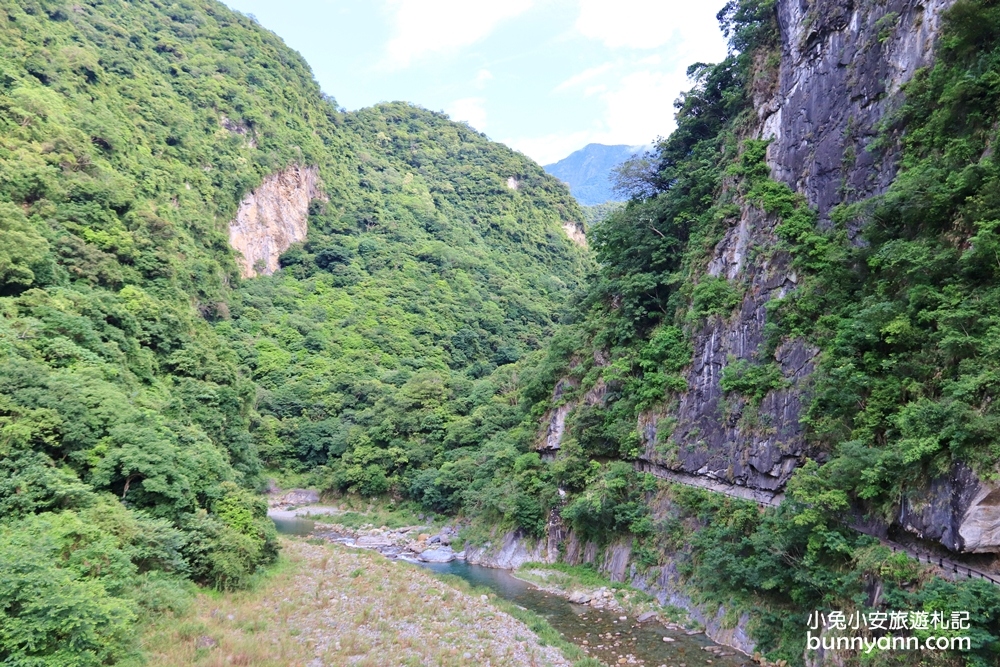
958, 510
437, 555
297, 497
273, 217
980, 527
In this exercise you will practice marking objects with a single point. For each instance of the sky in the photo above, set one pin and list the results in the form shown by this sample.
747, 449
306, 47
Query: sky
545, 77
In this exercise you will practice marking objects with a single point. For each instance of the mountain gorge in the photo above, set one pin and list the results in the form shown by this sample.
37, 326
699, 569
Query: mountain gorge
735, 393
793, 309
588, 171
160, 163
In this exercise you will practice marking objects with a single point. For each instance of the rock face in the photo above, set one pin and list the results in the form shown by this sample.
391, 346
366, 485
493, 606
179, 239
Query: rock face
575, 232
273, 217
724, 437
512, 552
557, 417
958, 510
842, 65
841, 68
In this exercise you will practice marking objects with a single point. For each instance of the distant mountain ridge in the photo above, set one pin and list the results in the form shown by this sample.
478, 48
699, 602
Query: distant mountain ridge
588, 171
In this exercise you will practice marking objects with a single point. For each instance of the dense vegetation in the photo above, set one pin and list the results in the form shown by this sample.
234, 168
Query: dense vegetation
905, 319
143, 387
408, 348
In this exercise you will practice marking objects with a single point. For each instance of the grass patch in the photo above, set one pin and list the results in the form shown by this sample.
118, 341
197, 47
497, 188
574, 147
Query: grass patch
585, 576
547, 635
335, 604
360, 513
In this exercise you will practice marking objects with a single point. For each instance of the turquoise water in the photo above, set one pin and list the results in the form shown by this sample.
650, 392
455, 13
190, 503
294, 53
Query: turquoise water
293, 525
601, 633
582, 623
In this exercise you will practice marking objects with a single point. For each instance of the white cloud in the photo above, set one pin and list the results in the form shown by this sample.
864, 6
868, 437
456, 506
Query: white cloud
650, 24
470, 109
638, 107
423, 27
553, 147
641, 107
583, 77
482, 77
654, 42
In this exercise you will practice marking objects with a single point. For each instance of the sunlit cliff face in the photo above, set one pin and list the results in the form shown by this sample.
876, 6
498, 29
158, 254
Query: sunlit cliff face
273, 217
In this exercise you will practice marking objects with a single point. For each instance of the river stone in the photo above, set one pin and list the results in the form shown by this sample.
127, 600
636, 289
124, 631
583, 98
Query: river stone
372, 541
646, 617
580, 597
439, 555
301, 497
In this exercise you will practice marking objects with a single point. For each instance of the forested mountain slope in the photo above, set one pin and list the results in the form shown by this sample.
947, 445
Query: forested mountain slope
588, 171
800, 300
142, 380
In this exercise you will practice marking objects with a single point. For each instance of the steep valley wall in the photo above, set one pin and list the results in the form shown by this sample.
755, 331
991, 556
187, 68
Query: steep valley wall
842, 68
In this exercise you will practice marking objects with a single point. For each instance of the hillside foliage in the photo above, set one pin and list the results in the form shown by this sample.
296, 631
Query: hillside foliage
144, 387
437, 312
899, 295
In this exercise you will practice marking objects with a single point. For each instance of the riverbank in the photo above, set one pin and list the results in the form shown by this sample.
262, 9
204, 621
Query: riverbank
609, 621
326, 604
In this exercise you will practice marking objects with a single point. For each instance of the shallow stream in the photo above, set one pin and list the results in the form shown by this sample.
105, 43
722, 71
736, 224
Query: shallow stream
601, 632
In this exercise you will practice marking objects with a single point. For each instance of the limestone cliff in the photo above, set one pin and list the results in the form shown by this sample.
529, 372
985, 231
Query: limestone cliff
841, 68
841, 71
273, 217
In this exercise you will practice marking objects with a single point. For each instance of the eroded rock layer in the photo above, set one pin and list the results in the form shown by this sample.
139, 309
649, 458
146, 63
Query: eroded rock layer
273, 217
842, 71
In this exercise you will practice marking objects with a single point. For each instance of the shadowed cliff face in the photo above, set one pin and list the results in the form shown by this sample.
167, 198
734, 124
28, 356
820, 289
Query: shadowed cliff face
271, 218
841, 71
842, 66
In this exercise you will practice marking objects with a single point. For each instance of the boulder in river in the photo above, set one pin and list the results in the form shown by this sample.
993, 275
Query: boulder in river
438, 555
579, 597
297, 497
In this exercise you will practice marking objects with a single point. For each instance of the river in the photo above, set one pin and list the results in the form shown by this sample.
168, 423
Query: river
600, 632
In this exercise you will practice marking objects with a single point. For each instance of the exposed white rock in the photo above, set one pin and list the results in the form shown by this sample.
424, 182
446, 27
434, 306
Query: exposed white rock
980, 527
575, 232
273, 217
440, 555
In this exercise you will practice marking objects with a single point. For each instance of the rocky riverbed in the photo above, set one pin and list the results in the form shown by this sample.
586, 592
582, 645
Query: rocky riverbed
329, 605
413, 543
613, 619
